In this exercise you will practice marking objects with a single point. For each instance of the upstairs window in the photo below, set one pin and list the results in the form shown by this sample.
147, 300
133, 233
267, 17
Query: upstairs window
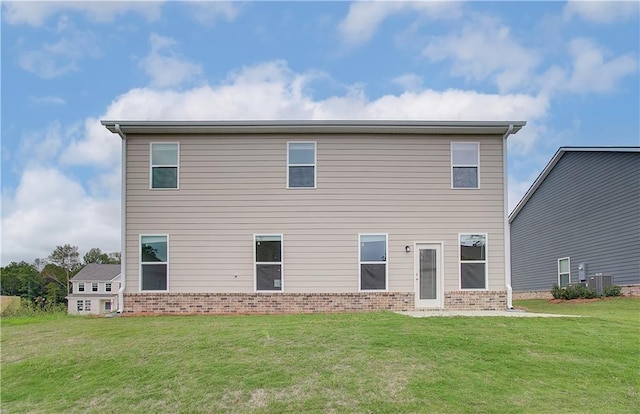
164, 165
268, 262
473, 261
154, 262
94, 287
301, 164
465, 165
373, 261
564, 272
107, 287
80, 287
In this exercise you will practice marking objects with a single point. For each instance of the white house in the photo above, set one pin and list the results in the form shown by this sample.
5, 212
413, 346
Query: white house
95, 290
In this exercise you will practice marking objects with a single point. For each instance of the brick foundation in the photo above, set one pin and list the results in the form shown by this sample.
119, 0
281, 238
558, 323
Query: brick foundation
534, 294
475, 300
265, 303
631, 290
277, 303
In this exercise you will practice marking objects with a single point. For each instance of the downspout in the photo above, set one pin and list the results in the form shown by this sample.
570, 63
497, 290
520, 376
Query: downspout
507, 226
123, 221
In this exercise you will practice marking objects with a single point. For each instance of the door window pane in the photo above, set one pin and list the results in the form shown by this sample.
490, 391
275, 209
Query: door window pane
428, 279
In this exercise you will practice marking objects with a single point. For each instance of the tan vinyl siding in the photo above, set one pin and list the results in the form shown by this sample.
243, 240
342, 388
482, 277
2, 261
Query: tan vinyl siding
234, 187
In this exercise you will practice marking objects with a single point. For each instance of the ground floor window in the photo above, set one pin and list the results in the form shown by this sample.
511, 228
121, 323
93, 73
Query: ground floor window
372, 253
107, 306
473, 261
87, 305
564, 272
154, 262
80, 306
268, 262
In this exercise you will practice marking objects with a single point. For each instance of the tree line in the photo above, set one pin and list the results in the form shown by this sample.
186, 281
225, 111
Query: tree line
47, 281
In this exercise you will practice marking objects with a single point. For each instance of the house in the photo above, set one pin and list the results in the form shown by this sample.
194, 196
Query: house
95, 290
580, 218
313, 216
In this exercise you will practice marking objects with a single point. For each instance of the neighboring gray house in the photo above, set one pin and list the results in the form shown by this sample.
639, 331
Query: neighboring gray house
581, 217
306, 216
95, 290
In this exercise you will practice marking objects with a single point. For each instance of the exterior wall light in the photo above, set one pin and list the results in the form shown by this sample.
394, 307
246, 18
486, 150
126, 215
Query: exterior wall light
407, 249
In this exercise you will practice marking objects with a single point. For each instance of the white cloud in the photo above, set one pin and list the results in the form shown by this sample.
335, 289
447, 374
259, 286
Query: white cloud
165, 66
208, 12
56, 59
364, 17
484, 49
50, 209
602, 11
35, 13
408, 81
592, 73
47, 100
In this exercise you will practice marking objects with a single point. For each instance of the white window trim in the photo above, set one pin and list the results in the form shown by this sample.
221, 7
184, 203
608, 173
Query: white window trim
485, 261
140, 263
97, 287
281, 262
386, 262
477, 165
568, 259
151, 187
83, 287
110, 285
314, 165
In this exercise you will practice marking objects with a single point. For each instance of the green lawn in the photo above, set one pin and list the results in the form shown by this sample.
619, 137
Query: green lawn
369, 362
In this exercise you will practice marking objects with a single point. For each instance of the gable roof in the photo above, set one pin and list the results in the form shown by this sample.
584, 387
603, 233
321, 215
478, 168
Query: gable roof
97, 273
315, 127
554, 160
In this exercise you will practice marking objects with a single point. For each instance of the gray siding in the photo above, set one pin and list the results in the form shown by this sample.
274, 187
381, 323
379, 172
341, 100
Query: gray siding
232, 187
588, 209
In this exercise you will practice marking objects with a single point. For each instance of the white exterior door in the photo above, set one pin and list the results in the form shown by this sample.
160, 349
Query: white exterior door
428, 275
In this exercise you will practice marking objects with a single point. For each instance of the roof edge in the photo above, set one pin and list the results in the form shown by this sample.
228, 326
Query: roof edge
552, 163
314, 126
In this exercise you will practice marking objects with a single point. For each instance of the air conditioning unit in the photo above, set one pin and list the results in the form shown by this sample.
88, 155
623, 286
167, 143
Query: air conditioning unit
600, 282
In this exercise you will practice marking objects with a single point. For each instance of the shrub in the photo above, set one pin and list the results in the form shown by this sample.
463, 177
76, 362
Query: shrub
613, 290
28, 308
556, 291
573, 292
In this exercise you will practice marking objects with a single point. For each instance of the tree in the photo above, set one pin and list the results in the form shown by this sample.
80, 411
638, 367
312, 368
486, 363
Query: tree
95, 255
56, 283
67, 257
21, 279
115, 257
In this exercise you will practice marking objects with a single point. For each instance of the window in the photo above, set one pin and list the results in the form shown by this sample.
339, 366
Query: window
107, 287
107, 306
473, 261
268, 259
164, 165
80, 306
154, 263
373, 261
301, 165
87, 305
94, 287
80, 287
564, 272
465, 165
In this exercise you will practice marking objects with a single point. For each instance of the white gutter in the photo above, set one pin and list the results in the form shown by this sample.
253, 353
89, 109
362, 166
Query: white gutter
123, 221
507, 225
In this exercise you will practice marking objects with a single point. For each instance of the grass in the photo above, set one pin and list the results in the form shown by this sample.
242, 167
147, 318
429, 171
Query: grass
369, 362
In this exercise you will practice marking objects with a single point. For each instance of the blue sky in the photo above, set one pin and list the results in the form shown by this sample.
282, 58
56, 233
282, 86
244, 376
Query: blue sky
570, 69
